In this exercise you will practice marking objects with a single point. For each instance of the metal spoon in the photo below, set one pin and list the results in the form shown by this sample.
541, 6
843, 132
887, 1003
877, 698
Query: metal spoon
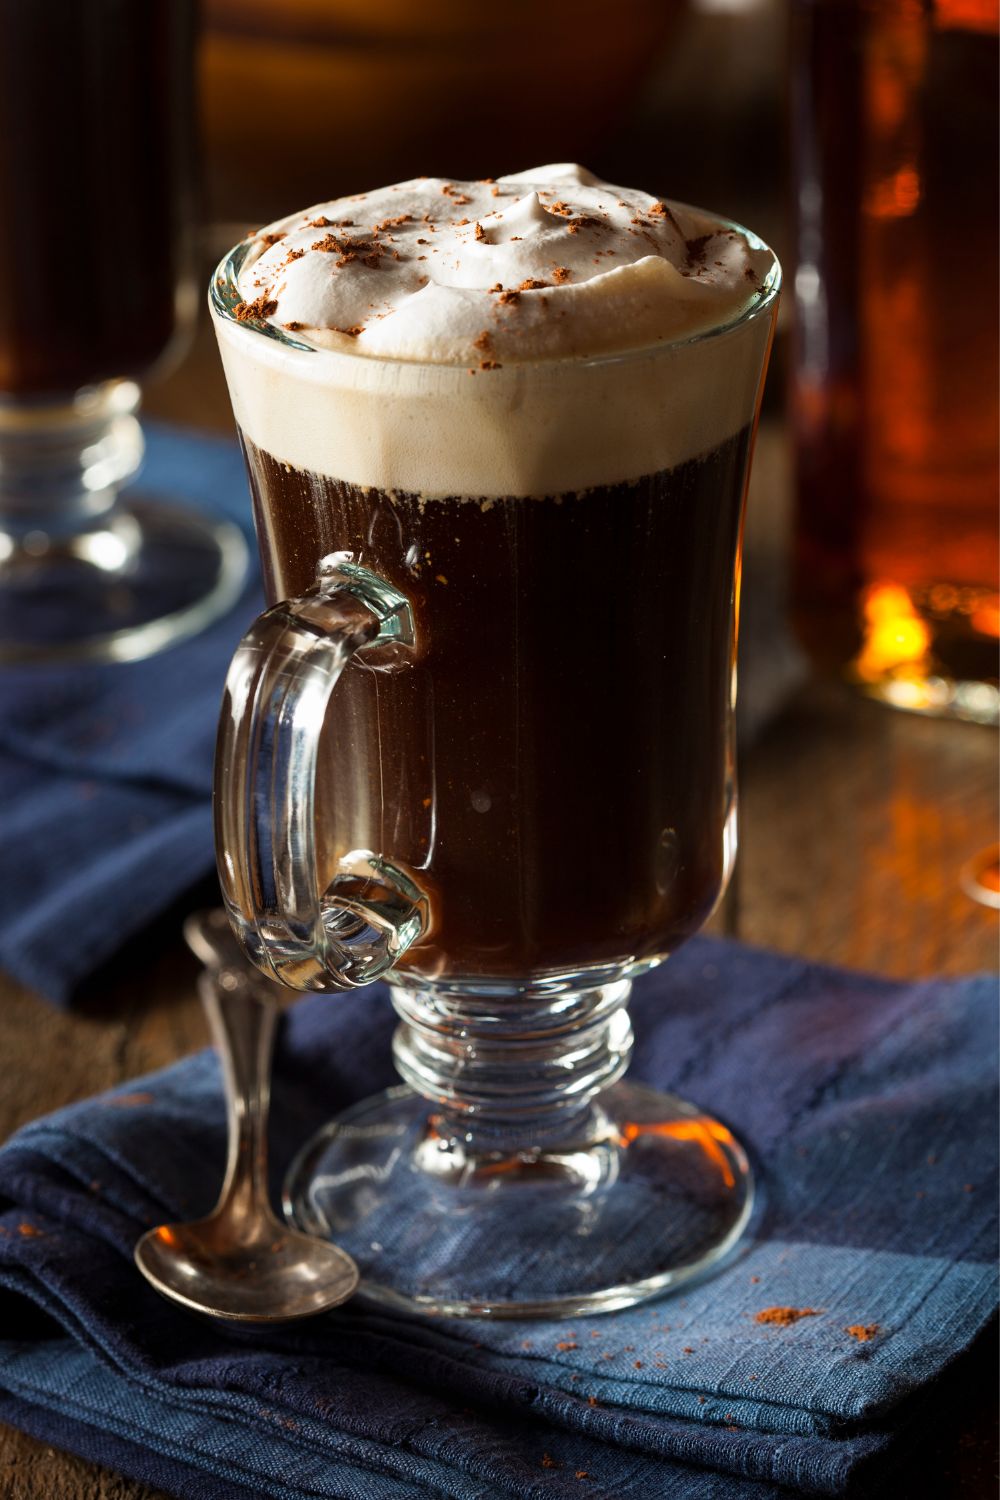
242, 1263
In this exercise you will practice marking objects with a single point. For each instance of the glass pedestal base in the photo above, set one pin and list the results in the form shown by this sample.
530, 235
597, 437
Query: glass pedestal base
644, 1194
148, 575
86, 575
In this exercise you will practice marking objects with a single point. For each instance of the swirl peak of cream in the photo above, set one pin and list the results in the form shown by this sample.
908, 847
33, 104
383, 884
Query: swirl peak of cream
544, 264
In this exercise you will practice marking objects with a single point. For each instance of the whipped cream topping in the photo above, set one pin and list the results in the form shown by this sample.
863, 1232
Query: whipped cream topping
548, 263
388, 302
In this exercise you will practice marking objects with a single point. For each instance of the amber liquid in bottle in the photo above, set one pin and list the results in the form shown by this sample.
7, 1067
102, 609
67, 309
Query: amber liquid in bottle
896, 386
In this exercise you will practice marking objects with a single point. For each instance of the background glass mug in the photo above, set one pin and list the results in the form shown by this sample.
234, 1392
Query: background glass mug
486, 743
97, 292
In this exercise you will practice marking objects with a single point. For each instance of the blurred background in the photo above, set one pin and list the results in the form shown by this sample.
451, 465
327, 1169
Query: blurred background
308, 99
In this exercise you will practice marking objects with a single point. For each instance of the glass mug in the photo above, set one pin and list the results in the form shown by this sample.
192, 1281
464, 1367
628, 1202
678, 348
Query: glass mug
482, 744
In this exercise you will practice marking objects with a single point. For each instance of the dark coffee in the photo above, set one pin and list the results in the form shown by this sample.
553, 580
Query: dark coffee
554, 765
96, 157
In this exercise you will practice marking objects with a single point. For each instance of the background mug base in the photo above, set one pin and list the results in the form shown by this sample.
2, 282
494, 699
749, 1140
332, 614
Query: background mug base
153, 574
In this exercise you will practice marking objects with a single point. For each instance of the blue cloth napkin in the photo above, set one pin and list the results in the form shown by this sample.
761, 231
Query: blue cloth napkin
106, 771
870, 1108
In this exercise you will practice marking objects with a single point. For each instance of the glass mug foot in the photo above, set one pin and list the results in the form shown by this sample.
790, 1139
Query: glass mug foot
155, 573
645, 1195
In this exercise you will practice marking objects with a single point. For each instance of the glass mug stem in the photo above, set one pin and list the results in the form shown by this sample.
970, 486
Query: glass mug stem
513, 1070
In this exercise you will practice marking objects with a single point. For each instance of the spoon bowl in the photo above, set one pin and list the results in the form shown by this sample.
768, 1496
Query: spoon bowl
273, 1278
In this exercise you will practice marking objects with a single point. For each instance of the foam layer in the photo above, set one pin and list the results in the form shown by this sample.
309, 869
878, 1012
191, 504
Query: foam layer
541, 265
387, 303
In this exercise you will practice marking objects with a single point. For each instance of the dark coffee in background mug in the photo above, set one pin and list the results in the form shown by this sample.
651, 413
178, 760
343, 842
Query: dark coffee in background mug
97, 156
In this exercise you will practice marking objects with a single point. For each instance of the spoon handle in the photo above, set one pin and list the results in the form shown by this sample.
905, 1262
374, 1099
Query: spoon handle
242, 1021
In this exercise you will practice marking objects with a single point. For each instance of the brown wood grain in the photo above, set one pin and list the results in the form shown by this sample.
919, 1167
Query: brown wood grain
30, 1470
855, 821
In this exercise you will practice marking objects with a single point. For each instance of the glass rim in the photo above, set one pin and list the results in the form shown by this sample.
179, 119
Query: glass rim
224, 294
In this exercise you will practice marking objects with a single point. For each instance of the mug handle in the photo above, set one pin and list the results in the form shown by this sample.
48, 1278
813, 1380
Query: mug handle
276, 697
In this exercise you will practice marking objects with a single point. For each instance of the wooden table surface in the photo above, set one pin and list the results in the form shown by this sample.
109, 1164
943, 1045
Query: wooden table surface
855, 822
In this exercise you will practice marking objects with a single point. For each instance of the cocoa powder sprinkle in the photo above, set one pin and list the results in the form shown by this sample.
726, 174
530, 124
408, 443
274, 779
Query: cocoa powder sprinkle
863, 1332
255, 312
784, 1317
661, 211
696, 248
